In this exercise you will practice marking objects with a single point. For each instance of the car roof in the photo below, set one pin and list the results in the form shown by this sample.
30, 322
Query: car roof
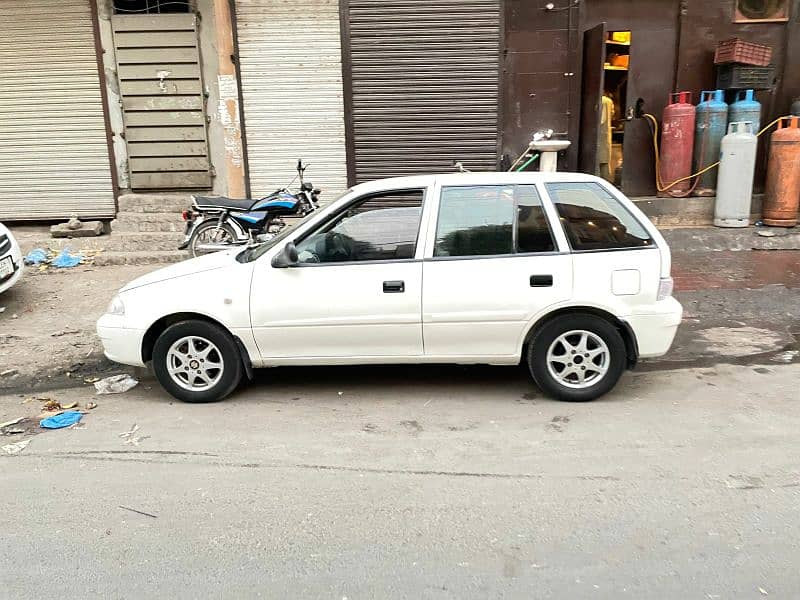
472, 178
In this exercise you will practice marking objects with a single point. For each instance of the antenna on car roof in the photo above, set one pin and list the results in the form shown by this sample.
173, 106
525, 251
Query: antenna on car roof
461, 168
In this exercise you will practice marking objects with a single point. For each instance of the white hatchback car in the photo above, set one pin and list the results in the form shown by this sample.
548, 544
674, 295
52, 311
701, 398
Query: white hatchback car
10, 259
558, 269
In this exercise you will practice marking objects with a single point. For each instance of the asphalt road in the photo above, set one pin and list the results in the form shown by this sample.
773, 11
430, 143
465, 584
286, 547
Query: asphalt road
414, 483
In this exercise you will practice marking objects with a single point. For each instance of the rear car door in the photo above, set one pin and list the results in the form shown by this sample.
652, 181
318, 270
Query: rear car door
615, 258
492, 265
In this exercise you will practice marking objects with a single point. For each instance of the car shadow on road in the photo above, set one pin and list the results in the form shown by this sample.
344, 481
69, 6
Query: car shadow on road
476, 382
395, 378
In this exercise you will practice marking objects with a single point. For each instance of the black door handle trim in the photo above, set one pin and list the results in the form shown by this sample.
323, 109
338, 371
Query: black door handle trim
541, 281
394, 287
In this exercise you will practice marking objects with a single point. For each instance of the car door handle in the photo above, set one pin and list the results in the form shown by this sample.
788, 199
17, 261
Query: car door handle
541, 281
394, 287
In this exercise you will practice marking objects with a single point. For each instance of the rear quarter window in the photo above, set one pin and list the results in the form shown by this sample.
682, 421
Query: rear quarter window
593, 219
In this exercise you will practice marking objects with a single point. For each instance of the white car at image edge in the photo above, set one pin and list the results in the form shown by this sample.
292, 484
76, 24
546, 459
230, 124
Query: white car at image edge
10, 259
558, 270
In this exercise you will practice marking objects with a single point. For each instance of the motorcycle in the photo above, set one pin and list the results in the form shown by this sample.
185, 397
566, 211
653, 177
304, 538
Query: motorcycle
215, 223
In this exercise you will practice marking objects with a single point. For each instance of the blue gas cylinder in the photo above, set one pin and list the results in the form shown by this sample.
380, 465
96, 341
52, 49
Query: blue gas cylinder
745, 108
710, 126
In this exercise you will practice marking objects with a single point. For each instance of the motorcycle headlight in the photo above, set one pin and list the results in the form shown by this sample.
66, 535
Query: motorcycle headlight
116, 306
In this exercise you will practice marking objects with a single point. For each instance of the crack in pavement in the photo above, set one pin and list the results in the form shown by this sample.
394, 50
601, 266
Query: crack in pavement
98, 455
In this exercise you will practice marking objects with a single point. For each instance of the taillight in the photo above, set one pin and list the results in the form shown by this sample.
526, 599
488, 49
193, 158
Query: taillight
665, 288
188, 215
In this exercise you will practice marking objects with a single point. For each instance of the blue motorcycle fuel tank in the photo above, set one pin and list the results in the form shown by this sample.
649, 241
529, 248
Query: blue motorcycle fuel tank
280, 204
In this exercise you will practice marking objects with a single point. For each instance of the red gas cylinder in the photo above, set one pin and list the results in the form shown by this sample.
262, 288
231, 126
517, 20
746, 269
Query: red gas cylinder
782, 196
677, 141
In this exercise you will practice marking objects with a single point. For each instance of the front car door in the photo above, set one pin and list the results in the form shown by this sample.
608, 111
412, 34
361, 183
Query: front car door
355, 295
493, 264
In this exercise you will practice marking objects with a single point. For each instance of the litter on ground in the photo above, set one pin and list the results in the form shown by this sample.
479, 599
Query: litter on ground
61, 420
116, 384
9, 423
65, 260
50, 405
35, 257
131, 438
140, 512
16, 447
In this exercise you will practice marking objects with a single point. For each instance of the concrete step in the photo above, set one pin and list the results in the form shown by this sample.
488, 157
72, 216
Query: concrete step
693, 211
154, 203
139, 258
716, 239
122, 241
142, 241
152, 222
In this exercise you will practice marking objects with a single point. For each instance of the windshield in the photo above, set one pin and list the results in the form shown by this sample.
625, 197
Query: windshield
256, 252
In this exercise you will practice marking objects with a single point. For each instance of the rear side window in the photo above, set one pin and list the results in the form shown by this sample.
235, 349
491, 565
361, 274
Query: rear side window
486, 220
593, 219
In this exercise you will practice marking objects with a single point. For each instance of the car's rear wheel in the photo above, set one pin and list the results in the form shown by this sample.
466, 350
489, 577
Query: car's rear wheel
197, 361
577, 357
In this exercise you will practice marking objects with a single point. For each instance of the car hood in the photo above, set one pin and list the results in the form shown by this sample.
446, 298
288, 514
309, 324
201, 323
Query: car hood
209, 262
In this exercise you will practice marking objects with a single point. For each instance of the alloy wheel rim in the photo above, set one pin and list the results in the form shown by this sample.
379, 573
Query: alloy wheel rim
578, 359
195, 363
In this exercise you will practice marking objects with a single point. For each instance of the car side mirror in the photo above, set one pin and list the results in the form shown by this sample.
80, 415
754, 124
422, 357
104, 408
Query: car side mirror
286, 257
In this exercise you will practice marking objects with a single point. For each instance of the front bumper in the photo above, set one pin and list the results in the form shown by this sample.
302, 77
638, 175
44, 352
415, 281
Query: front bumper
655, 328
120, 344
7, 283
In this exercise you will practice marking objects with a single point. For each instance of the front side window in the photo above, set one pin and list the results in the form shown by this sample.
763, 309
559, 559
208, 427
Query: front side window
486, 220
380, 227
593, 219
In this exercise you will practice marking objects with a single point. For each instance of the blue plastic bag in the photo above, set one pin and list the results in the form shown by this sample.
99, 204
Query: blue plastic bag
66, 260
65, 419
36, 256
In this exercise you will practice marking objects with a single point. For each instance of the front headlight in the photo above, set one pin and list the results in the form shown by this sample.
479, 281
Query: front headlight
116, 307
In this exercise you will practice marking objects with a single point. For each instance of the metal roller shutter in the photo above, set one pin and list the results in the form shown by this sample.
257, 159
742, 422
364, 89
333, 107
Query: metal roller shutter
53, 152
425, 85
291, 75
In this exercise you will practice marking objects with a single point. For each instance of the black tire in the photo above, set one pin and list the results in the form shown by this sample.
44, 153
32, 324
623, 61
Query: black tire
204, 226
226, 350
546, 335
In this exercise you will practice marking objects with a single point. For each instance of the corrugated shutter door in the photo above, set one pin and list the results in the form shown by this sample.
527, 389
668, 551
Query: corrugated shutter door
425, 85
53, 152
291, 74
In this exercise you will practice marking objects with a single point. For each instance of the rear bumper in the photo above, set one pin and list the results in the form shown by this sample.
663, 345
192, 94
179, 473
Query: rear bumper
655, 329
120, 344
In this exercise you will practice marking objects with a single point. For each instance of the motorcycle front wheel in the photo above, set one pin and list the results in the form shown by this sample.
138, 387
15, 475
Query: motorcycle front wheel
211, 237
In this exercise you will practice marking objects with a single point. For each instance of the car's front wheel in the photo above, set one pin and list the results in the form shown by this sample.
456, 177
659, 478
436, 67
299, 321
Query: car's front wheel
197, 361
577, 357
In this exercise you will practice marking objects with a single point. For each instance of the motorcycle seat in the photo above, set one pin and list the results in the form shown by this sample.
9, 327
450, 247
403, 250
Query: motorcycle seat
223, 202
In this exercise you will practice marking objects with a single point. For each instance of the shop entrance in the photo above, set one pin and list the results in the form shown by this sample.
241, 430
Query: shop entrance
628, 60
608, 109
